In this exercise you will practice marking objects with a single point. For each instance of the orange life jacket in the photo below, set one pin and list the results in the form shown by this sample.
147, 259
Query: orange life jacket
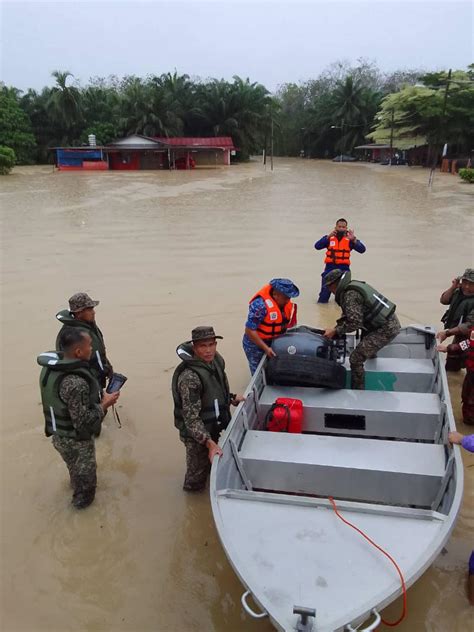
275, 322
339, 251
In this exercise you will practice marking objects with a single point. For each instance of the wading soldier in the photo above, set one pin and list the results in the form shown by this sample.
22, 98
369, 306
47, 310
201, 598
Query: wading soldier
81, 313
366, 309
339, 243
201, 403
73, 409
460, 298
271, 313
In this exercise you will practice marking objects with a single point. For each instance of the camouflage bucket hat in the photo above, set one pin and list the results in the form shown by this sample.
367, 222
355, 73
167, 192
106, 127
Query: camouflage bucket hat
286, 287
81, 301
468, 275
333, 276
203, 333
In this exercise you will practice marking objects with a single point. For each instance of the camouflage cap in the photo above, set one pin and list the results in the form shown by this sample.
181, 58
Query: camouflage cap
81, 301
286, 287
333, 276
468, 275
203, 333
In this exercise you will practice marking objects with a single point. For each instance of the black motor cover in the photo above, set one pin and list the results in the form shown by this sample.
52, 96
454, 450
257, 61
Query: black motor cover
304, 357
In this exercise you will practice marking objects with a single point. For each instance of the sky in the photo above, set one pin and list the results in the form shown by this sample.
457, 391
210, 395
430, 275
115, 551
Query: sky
269, 42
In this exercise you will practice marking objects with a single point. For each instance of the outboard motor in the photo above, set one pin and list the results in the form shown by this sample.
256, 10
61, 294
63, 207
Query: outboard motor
304, 357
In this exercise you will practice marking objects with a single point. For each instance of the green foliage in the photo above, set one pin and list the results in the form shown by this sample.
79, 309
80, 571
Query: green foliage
440, 111
7, 160
15, 126
332, 113
467, 175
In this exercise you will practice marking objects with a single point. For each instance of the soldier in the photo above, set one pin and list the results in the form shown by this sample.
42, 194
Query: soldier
201, 403
339, 243
460, 298
362, 308
81, 313
73, 409
271, 313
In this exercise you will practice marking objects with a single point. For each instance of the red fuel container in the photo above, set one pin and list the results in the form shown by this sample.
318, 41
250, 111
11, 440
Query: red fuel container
285, 415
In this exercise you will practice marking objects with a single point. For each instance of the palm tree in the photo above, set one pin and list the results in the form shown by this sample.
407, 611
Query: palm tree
146, 109
64, 104
355, 106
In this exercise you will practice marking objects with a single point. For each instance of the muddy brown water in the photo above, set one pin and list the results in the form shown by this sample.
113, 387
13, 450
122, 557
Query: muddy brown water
164, 252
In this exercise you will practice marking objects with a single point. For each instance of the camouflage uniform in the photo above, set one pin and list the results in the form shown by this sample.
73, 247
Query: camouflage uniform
79, 455
197, 459
353, 310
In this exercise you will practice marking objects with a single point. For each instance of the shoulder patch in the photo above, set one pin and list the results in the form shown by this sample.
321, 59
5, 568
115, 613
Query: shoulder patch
269, 302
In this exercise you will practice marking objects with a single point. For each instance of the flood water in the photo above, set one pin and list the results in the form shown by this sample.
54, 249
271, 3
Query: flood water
164, 252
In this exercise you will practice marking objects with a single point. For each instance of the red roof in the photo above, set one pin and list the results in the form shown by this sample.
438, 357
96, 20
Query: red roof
187, 141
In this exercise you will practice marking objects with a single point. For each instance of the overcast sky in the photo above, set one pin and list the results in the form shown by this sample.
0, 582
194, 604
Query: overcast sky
270, 42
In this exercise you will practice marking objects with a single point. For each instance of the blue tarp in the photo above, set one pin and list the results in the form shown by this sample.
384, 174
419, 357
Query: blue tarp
70, 158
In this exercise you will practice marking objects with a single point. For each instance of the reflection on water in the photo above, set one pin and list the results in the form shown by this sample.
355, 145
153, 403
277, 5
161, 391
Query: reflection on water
165, 252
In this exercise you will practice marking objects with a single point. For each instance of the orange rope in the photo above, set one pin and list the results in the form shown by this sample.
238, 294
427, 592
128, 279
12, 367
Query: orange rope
404, 589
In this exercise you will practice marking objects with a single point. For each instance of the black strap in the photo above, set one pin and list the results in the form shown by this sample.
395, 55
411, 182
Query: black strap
269, 415
116, 417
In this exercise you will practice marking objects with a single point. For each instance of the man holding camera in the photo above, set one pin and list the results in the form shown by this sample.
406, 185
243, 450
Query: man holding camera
73, 408
339, 243
201, 403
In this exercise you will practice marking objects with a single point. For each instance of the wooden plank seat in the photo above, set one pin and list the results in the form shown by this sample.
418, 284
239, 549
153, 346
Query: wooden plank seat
412, 375
372, 413
368, 470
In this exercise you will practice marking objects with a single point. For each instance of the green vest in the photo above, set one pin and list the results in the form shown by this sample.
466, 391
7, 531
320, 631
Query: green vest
56, 413
214, 387
377, 308
458, 309
98, 345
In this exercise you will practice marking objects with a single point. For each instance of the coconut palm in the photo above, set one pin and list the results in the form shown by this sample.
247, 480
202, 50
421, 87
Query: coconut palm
64, 105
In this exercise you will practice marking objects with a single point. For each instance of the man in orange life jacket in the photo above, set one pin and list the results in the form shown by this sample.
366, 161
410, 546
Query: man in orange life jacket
339, 244
271, 313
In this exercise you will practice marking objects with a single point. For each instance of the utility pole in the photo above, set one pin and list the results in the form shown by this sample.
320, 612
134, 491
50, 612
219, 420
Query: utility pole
391, 136
342, 138
271, 146
443, 127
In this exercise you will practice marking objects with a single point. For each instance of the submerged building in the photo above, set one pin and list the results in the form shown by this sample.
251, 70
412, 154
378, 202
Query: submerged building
145, 152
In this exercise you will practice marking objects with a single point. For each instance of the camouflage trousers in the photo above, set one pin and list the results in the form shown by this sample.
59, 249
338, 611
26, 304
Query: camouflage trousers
197, 465
368, 347
79, 457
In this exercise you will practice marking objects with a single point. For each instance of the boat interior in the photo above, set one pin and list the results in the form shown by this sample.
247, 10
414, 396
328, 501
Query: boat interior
382, 449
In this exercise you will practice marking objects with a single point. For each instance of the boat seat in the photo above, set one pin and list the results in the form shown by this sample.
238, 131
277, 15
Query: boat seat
373, 413
412, 375
367, 470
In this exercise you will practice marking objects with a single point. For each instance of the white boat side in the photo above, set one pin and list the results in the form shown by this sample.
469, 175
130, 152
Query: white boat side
395, 476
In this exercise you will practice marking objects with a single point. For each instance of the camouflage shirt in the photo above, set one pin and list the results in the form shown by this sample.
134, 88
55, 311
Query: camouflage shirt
74, 391
352, 318
189, 387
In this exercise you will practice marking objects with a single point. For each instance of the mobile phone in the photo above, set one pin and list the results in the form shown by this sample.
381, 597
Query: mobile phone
115, 383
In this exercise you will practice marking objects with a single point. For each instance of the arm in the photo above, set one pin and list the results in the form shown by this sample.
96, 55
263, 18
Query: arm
353, 313
322, 243
358, 246
256, 315
74, 391
447, 295
466, 441
189, 386
258, 342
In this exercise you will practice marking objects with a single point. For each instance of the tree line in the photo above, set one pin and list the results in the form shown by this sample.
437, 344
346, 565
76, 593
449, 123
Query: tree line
343, 107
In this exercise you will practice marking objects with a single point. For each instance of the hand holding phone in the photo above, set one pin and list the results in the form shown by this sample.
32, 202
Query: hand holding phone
115, 383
